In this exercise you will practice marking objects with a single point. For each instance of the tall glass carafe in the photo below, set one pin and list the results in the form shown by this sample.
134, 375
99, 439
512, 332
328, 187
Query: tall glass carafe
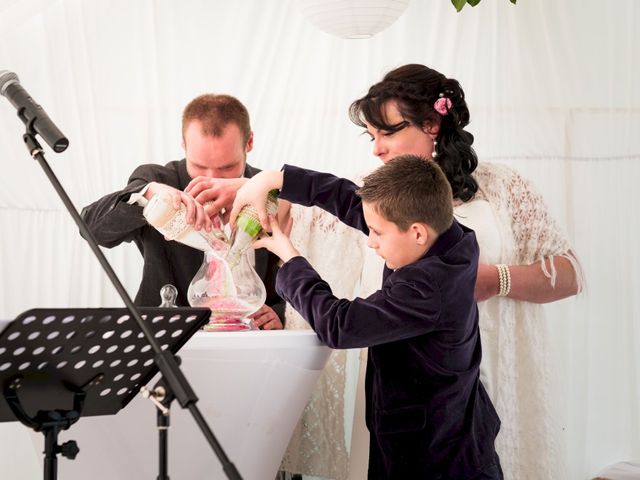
227, 282
232, 294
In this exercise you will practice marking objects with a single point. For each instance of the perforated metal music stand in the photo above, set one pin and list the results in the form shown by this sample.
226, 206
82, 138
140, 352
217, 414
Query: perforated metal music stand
57, 365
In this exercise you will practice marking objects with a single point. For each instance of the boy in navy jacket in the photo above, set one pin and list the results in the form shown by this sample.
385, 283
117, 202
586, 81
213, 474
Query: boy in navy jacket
428, 415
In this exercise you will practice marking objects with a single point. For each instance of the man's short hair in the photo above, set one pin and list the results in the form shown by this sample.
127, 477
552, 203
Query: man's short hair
410, 189
215, 112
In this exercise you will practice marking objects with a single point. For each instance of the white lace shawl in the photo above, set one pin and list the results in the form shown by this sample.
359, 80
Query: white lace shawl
521, 210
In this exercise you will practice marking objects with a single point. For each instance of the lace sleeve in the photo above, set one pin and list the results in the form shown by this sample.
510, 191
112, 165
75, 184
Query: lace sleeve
536, 234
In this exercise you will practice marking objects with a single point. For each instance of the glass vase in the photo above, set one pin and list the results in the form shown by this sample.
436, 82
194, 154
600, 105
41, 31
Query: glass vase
231, 292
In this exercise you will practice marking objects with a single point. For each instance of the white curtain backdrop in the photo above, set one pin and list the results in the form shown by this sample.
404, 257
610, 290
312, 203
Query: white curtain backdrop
553, 88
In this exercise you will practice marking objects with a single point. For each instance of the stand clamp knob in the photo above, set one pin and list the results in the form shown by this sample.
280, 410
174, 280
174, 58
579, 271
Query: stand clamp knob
69, 449
156, 396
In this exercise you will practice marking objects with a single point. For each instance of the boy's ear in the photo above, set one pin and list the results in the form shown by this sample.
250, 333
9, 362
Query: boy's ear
420, 232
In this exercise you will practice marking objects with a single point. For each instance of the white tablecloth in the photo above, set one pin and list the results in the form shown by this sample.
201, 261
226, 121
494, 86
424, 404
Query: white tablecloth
252, 388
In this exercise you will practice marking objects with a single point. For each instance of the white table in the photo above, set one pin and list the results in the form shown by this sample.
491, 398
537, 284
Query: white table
252, 388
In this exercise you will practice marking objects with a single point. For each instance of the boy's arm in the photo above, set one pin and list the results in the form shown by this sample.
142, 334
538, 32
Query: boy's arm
402, 310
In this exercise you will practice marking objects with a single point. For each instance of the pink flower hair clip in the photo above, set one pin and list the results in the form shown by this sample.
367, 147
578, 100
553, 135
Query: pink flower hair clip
442, 105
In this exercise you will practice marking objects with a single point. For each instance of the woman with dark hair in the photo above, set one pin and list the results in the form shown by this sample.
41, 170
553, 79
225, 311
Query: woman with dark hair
433, 111
525, 259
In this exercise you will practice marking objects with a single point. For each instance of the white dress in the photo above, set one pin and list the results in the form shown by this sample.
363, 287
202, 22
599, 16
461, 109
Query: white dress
318, 446
512, 226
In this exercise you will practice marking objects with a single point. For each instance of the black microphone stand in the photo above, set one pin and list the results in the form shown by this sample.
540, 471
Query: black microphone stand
161, 396
174, 378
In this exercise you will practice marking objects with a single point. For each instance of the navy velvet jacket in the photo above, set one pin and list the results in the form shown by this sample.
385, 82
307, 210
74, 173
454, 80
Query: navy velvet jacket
113, 221
427, 412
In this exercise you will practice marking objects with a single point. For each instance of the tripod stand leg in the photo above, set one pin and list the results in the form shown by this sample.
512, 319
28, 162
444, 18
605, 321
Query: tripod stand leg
163, 440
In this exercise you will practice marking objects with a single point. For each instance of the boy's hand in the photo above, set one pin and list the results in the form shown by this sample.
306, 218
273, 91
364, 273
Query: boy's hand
278, 242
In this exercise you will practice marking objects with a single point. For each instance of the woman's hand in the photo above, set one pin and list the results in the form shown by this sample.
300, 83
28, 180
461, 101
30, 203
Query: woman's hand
254, 192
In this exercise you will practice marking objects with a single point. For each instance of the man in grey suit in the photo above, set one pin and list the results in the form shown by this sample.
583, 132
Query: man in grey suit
217, 136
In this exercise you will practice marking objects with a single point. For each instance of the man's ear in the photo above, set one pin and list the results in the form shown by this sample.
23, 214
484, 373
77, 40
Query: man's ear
249, 146
421, 233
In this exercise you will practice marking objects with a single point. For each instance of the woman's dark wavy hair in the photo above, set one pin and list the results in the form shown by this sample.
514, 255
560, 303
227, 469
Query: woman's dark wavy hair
415, 88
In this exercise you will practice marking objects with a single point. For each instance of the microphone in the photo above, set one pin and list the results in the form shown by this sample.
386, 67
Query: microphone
31, 114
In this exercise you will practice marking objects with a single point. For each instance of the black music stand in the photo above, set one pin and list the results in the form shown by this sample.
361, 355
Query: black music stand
57, 365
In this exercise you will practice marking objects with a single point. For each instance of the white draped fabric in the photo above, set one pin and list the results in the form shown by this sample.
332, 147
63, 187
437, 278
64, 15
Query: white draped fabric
553, 92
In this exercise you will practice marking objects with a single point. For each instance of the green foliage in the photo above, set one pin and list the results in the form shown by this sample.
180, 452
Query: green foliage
461, 3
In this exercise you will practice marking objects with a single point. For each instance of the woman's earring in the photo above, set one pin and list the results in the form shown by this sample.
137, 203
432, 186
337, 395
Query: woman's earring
434, 153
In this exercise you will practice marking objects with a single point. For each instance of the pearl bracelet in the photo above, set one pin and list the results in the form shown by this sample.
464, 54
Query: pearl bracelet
504, 277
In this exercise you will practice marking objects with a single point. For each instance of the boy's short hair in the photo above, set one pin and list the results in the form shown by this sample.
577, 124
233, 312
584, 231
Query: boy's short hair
410, 189
215, 112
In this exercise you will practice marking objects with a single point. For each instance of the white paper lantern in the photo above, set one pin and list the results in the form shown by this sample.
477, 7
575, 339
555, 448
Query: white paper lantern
353, 18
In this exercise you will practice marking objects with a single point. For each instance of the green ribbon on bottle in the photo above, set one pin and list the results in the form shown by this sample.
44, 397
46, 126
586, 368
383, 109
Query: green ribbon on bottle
248, 220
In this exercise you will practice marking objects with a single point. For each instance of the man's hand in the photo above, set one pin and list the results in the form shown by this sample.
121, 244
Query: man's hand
278, 242
254, 192
196, 214
216, 194
266, 319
